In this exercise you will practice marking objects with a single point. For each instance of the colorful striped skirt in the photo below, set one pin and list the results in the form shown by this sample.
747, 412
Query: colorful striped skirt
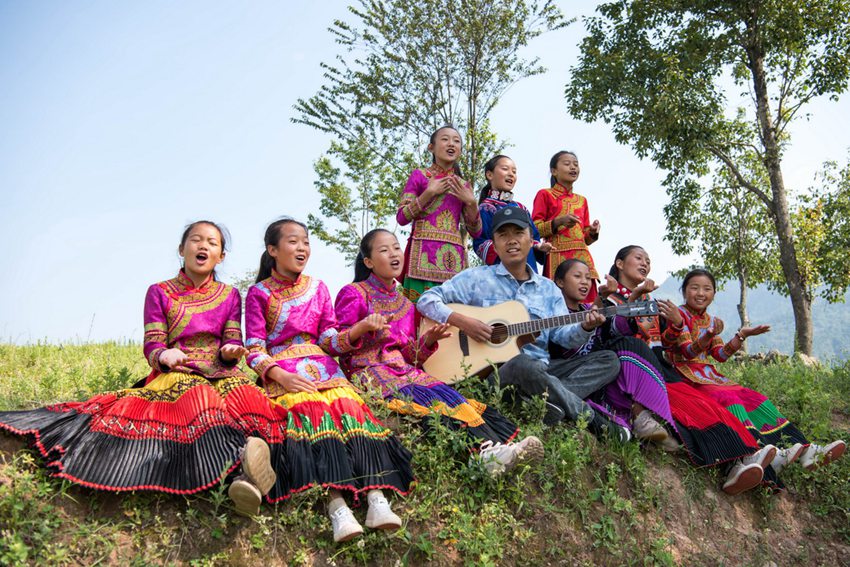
333, 440
710, 433
179, 434
638, 381
481, 422
757, 413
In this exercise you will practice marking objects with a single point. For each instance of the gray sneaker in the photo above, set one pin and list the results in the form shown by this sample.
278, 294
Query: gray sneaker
646, 428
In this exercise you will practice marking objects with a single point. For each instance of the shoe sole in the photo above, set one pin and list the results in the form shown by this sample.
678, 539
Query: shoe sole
349, 536
256, 464
655, 436
747, 480
387, 525
531, 452
797, 454
822, 460
767, 458
246, 498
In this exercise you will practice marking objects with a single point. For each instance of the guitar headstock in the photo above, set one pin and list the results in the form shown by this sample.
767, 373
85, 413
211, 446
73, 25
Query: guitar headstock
638, 309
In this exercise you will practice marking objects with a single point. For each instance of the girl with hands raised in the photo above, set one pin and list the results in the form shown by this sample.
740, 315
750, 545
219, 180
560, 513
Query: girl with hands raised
436, 200
391, 358
691, 354
332, 438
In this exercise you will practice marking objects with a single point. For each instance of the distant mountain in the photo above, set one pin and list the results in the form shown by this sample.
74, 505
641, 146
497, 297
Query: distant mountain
832, 321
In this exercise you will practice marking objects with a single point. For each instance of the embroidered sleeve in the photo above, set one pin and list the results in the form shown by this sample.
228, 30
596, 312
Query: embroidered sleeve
411, 206
232, 333
256, 304
156, 326
422, 352
483, 243
472, 219
331, 340
350, 307
717, 349
540, 214
589, 237
675, 335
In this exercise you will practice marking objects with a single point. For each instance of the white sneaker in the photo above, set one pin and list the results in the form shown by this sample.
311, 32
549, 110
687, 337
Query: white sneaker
817, 455
785, 457
763, 457
499, 458
345, 524
646, 428
257, 464
245, 496
743, 477
380, 516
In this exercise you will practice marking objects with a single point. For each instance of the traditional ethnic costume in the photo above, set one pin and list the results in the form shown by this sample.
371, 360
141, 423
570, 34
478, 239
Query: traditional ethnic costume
332, 438
753, 409
638, 381
391, 360
435, 250
711, 435
483, 243
178, 431
573, 242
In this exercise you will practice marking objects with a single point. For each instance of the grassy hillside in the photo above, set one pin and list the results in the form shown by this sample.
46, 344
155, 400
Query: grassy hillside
588, 503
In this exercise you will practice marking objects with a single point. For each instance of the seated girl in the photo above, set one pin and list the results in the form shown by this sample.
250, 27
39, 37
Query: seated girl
332, 439
710, 434
689, 353
194, 418
390, 357
639, 395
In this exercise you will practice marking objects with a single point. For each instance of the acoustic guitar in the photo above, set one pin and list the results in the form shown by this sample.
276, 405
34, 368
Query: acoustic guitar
460, 356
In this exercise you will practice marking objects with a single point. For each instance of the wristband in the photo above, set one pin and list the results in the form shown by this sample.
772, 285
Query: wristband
741, 337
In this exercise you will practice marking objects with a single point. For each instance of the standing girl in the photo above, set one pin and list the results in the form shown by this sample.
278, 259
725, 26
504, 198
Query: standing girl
497, 194
194, 417
435, 200
700, 338
332, 438
710, 434
639, 395
563, 219
390, 357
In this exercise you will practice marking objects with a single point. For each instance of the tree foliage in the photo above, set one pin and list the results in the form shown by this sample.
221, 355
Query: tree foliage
668, 75
406, 69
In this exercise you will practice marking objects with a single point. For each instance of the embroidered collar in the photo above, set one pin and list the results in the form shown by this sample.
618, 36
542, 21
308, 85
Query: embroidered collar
435, 170
506, 196
558, 188
284, 281
694, 312
380, 286
623, 291
185, 283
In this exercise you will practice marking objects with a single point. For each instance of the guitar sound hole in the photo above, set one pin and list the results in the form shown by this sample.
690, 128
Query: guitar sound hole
500, 333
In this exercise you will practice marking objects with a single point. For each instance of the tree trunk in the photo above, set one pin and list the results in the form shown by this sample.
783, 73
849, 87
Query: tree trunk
742, 305
800, 298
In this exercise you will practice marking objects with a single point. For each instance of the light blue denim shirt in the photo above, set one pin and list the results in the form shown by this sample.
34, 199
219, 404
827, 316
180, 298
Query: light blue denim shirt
490, 285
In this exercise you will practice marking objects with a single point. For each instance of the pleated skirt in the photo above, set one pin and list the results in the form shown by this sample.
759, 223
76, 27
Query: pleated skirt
480, 421
178, 434
334, 440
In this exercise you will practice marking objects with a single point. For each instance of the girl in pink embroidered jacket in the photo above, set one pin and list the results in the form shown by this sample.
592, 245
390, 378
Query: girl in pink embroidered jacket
332, 439
435, 200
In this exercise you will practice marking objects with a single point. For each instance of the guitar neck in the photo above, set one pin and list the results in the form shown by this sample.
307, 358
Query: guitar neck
537, 325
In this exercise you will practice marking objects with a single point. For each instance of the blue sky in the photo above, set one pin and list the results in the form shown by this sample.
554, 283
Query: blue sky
122, 122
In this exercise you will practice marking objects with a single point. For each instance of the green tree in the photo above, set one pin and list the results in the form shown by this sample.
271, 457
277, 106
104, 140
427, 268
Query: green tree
662, 72
406, 69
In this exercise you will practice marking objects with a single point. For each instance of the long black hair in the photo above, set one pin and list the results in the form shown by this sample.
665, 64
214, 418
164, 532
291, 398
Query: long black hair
564, 267
222, 232
553, 163
694, 273
361, 271
622, 254
489, 167
271, 238
433, 138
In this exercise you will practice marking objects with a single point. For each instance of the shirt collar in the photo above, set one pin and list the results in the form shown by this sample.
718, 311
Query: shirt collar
187, 284
380, 286
501, 270
284, 281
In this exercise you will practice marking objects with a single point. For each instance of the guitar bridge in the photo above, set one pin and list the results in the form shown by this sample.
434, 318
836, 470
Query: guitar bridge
464, 343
